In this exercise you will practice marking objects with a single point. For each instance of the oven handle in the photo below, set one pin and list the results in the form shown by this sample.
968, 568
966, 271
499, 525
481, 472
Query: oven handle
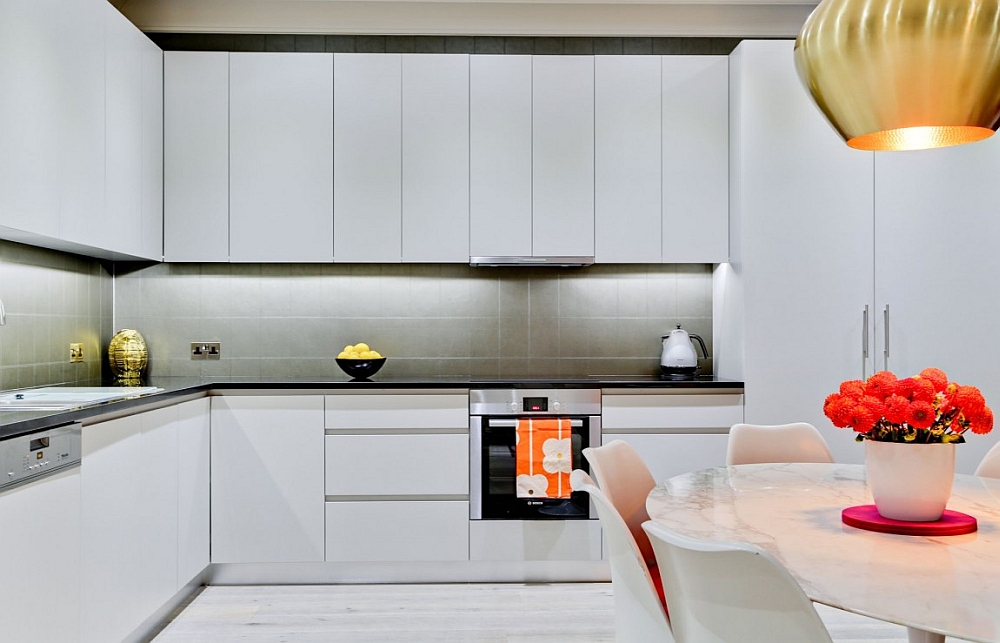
511, 423
475, 467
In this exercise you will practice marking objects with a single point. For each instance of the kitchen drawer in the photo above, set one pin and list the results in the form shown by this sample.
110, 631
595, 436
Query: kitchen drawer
423, 464
387, 410
671, 454
534, 540
679, 412
390, 531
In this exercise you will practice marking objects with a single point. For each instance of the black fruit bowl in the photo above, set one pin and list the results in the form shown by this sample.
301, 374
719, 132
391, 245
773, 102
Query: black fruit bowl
360, 369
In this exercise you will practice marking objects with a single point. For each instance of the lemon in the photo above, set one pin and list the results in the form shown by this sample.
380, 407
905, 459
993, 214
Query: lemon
366, 355
376, 355
361, 348
344, 355
354, 355
348, 349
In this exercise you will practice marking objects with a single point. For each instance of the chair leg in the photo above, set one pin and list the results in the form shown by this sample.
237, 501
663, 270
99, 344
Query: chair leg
920, 636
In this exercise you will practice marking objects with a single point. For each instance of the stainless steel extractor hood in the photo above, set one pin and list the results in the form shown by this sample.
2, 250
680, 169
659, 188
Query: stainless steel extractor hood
532, 262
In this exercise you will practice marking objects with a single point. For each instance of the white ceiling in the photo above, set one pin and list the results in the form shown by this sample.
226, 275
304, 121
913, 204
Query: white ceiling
728, 18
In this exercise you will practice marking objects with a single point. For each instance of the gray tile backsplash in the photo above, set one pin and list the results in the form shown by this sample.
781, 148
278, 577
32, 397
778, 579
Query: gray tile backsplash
52, 299
292, 320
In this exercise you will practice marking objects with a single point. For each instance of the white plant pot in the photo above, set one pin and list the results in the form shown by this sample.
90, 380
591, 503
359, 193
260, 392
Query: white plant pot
910, 481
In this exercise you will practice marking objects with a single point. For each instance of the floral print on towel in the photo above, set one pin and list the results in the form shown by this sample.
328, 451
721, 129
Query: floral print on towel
544, 458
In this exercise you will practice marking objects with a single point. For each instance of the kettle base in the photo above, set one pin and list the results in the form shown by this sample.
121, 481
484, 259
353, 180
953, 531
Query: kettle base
677, 372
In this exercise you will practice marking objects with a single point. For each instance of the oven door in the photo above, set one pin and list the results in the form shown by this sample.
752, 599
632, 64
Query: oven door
493, 472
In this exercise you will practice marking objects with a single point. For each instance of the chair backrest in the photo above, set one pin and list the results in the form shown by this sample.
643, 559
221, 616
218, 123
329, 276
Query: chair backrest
626, 481
639, 615
755, 444
990, 465
731, 593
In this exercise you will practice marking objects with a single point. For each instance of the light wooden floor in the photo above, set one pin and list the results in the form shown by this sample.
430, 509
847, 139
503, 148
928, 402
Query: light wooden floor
481, 613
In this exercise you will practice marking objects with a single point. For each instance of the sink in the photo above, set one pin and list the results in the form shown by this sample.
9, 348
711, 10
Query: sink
62, 398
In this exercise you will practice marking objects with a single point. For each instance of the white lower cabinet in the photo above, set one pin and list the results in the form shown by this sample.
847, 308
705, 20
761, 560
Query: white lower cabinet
674, 433
267, 479
193, 494
40, 559
401, 464
397, 531
534, 540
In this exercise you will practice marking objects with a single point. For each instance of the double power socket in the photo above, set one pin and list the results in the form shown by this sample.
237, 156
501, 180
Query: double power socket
206, 350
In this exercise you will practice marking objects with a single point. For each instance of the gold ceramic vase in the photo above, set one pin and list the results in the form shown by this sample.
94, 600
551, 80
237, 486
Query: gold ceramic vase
128, 355
904, 74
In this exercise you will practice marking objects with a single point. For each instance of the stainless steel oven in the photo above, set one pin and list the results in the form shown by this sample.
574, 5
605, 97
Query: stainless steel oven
494, 418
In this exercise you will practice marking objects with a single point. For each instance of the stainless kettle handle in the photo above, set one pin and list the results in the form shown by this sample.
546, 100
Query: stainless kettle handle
704, 350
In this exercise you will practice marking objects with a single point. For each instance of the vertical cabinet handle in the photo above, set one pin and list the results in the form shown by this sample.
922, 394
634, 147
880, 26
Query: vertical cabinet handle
885, 329
864, 344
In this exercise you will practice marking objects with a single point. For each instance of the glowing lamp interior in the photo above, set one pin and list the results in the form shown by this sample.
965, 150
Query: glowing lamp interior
919, 138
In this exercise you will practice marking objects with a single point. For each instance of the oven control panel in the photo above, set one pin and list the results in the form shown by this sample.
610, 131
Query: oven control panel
535, 402
26, 457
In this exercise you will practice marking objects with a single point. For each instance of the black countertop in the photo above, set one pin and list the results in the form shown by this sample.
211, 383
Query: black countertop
15, 423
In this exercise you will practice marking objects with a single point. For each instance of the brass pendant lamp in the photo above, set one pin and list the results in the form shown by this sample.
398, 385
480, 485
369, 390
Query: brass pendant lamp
904, 74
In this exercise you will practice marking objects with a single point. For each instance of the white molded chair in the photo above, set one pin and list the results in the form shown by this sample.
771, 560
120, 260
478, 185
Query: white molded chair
756, 444
990, 465
731, 593
639, 613
626, 481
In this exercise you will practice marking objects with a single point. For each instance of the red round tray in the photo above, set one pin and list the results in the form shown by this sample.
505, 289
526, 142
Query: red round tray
952, 523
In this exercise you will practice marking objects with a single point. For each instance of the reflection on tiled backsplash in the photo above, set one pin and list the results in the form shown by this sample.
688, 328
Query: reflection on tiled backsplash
52, 299
291, 320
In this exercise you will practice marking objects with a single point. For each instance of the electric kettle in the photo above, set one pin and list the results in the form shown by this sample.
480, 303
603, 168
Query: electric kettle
679, 357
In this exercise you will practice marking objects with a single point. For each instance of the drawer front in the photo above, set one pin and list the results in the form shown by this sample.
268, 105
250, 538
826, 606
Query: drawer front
425, 464
535, 540
392, 411
670, 411
671, 454
393, 531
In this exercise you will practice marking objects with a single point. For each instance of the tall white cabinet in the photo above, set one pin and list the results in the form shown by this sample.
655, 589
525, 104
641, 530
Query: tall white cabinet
267, 479
281, 157
790, 306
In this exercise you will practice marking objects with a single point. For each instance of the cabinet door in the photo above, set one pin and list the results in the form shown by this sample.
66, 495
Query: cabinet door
267, 479
392, 530
500, 156
435, 192
627, 212
157, 511
40, 559
562, 152
695, 159
397, 465
193, 495
123, 143
151, 220
938, 270
196, 156
671, 454
367, 148
281, 157
803, 259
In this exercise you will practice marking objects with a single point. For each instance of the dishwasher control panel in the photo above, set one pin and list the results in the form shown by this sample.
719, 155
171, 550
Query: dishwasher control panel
27, 457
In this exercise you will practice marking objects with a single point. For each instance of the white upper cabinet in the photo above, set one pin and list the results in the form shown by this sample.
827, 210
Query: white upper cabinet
435, 165
367, 148
562, 152
196, 156
500, 156
281, 157
695, 159
627, 138
123, 144
151, 218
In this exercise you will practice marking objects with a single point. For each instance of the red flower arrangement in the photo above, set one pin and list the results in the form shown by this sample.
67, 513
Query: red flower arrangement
925, 408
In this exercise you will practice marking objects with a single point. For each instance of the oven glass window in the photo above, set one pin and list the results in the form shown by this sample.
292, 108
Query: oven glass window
500, 499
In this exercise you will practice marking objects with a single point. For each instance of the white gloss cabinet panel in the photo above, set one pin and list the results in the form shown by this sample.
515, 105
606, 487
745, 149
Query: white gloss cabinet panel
562, 152
281, 157
719, 411
671, 454
500, 156
40, 559
695, 159
123, 138
435, 158
151, 217
937, 268
395, 465
367, 147
267, 479
627, 139
193, 489
196, 156
387, 531
397, 411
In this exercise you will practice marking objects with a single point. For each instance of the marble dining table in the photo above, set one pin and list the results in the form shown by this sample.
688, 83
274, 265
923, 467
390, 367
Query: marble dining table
935, 586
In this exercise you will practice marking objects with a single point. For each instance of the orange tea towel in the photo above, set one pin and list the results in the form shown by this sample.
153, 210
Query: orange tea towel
544, 458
